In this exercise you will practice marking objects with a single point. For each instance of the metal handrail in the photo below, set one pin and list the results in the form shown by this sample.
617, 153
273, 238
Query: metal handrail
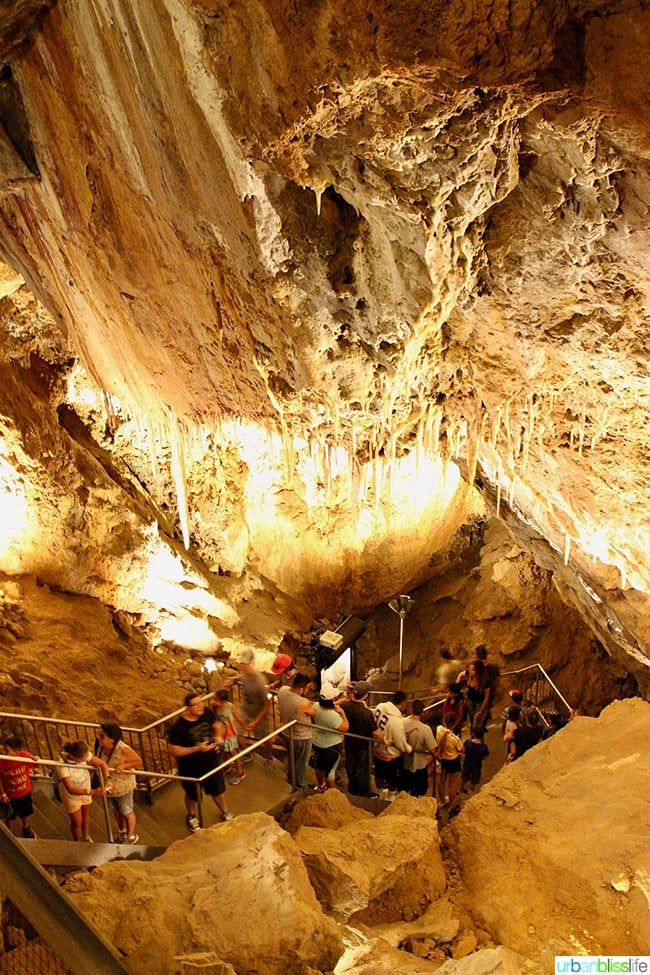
151, 745
76, 942
539, 690
54, 765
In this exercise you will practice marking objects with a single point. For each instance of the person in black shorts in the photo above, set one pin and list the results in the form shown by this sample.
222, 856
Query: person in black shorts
475, 751
194, 743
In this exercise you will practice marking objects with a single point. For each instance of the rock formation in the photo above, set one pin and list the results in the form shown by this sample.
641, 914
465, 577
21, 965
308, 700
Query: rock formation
567, 815
247, 894
310, 288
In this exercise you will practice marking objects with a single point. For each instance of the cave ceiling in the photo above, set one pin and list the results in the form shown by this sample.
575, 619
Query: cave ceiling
310, 285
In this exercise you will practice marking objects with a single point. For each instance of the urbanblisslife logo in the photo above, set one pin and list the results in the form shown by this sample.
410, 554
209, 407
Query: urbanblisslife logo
602, 964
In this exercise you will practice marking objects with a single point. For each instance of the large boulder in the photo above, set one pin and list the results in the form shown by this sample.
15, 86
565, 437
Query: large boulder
238, 891
378, 870
563, 832
329, 809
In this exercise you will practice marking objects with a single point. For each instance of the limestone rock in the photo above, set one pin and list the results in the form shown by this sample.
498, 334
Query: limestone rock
359, 299
438, 924
424, 807
330, 810
570, 831
238, 890
491, 961
380, 958
382, 869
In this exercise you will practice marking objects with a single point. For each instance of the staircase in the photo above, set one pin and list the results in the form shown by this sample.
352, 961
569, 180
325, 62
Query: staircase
54, 847
157, 825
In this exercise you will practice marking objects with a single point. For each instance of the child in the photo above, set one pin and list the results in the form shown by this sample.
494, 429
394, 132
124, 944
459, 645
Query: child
16, 786
450, 749
226, 713
511, 721
475, 751
76, 791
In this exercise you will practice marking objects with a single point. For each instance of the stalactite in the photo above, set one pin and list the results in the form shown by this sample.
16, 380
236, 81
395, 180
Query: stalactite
176, 442
288, 451
496, 425
498, 495
109, 411
473, 438
378, 484
581, 438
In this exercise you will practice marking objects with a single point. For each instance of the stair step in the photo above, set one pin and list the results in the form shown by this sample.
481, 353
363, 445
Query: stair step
65, 853
52, 822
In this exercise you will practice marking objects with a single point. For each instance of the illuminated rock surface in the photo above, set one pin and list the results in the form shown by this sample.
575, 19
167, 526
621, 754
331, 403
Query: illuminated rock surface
324, 284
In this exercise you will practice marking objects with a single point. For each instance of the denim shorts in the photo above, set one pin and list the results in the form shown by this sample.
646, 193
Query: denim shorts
123, 804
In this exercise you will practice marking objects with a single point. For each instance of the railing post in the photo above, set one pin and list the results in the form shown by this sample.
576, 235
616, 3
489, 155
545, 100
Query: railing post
143, 755
107, 815
292, 761
199, 803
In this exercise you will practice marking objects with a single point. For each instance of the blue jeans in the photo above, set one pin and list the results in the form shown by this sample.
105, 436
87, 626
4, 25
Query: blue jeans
301, 753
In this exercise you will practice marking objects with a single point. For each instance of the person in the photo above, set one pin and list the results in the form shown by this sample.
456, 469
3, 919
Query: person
254, 706
16, 785
358, 751
493, 675
450, 748
454, 704
194, 741
284, 670
75, 786
517, 698
327, 737
526, 736
418, 762
509, 726
477, 694
392, 745
475, 752
295, 706
121, 759
556, 723
447, 672
227, 714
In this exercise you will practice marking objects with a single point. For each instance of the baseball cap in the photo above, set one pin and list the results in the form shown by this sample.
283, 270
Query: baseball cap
516, 694
281, 663
247, 656
361, 687
328, 693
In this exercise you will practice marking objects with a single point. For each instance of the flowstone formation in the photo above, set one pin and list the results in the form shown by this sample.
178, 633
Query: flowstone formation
330, 282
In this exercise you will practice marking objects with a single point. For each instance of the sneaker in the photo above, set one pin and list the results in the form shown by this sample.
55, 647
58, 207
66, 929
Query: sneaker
192, 823
320, 788
132, 839
29, 833
121, 836
247, 758
88, 839
227, 817
269, 764
236, 779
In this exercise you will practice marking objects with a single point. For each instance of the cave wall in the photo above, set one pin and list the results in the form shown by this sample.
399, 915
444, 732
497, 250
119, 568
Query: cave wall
362, 247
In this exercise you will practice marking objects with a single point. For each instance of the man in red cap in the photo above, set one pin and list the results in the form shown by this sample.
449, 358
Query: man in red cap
284, 669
